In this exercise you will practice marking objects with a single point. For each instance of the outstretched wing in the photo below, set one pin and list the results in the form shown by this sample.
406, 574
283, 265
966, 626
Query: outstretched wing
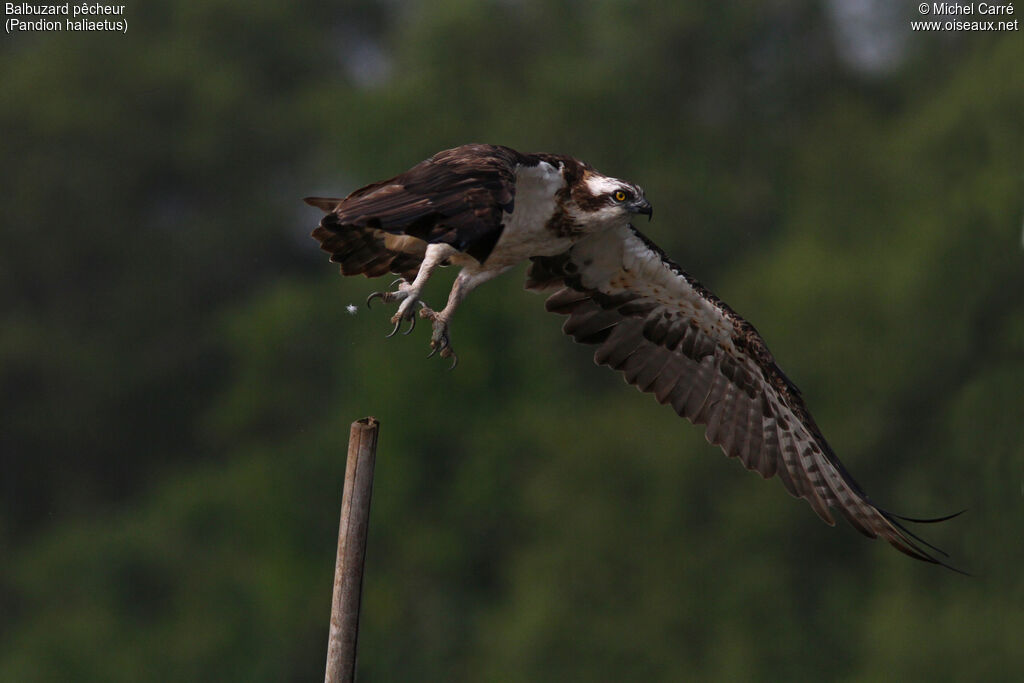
456, 197
671, 337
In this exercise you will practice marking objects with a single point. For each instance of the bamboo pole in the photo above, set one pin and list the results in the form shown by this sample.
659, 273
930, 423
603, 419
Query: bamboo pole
348, 567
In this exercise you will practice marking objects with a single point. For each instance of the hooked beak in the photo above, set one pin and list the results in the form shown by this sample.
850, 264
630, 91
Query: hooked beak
642, 206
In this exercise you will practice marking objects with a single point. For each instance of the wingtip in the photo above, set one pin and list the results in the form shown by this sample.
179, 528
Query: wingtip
950, 567
911, 544
927, 520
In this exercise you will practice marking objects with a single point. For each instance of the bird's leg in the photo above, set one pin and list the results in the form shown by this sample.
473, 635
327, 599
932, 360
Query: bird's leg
408, 294
467, 280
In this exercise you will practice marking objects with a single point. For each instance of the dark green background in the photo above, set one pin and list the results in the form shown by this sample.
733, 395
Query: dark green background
178, 370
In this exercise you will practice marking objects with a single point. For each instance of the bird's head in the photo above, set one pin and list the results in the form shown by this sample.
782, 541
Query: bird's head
610, 201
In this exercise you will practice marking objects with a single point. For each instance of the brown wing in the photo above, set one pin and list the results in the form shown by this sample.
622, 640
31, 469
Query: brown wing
456, 197
671, 337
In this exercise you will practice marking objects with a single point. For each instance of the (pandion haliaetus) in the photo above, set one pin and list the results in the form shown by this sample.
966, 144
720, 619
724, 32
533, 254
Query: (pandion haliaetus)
487, 208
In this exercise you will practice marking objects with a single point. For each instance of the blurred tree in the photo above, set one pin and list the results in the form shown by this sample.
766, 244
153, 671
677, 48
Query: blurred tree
152, 176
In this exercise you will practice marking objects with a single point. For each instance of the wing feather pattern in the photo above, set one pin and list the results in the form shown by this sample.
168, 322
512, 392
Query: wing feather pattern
671, 337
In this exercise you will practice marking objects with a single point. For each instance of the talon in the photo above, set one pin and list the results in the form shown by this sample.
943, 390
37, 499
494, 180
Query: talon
433, 350
382, 295
398, 324
401, 279
412, 326
455, 361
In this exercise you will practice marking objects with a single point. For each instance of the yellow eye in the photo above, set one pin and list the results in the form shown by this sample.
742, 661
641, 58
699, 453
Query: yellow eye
620, 196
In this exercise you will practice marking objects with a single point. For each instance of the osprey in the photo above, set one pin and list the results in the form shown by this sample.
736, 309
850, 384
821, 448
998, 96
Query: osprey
487, 208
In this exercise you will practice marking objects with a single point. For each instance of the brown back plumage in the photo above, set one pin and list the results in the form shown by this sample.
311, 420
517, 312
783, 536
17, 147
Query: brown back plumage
455, 197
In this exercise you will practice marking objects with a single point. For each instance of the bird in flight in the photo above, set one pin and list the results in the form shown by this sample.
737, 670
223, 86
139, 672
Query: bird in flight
487, 208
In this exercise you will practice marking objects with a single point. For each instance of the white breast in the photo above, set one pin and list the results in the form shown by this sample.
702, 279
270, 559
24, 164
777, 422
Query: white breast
525, 233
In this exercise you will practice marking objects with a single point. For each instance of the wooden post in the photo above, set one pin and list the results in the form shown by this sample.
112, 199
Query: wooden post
348, 567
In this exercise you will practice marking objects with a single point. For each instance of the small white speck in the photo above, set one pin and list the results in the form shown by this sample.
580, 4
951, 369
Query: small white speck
352, 309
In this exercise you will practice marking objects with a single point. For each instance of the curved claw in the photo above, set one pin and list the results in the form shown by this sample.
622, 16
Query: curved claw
412, 326
381, 295
394, 331
401, 279
445, 353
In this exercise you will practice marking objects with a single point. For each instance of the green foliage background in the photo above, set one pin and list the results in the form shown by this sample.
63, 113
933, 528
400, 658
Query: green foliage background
178, 370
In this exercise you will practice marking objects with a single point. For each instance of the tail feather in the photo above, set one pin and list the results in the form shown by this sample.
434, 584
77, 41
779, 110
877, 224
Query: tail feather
363, 250
323, 203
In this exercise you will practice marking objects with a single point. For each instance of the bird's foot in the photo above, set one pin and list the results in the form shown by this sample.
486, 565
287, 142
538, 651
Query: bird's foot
440, 342
407, 299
